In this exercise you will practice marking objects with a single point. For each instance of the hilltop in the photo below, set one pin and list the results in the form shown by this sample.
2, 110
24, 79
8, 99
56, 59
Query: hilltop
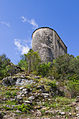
37, 90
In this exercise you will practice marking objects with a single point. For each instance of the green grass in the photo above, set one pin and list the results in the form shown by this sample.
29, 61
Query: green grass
62, 103
11, 102
24, 108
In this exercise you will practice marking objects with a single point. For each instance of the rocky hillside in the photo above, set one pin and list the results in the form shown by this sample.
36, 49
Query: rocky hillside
24, 96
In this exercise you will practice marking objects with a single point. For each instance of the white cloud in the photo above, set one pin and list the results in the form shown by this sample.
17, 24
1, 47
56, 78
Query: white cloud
23, 49
31, 21
5, 23
23, 19
17, 43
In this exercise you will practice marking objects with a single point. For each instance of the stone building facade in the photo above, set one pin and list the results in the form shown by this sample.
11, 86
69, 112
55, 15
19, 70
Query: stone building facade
48, 44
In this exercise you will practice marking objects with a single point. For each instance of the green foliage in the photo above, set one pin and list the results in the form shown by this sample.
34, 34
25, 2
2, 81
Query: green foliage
62, 67
30, 61
24, 108
23, 64
67, 108
74, 65
63, 100
7, 107
6, 67
4, 62
14, 93
73, 87
8, 93
43, 111
66, 67
29, 86
33, 60
74, 77
62, 103
11, 102
43, 69
12, 69
52, 83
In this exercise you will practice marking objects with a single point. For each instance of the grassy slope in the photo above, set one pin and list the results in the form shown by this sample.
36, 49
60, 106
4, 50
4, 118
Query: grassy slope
51, 103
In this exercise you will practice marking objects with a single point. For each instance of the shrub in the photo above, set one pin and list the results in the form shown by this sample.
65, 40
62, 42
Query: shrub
74, 77
52, 83
4, 62
62, 67
7, 107
23, 64
14, 93
8, 93
43, 69
24, 108
73, 87
9, 102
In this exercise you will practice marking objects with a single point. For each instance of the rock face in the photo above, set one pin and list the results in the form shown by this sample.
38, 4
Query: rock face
48, 44
17, 80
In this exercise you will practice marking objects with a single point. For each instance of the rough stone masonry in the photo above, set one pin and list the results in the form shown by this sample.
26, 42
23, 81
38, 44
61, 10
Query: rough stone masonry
48, 44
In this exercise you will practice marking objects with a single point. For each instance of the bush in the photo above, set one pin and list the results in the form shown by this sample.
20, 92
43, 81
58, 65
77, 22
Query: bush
62, 66
73, 87
4, 62
43, 69
24, 108
7, 107
74, 77
8, 93
23, 64
14, 93
52, 84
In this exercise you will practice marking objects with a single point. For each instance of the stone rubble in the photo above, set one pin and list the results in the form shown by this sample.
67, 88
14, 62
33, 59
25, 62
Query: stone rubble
28, 96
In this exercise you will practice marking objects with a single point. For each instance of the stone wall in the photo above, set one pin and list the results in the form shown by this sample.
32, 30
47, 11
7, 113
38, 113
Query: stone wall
48, 44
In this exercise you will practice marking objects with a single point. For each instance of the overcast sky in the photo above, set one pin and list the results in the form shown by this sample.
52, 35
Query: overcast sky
19, 18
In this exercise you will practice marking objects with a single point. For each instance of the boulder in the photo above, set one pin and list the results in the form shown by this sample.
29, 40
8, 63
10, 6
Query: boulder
8, 81
45, 95
31, 98
38, 113
27, 102
23, 81
62, 113
41, 88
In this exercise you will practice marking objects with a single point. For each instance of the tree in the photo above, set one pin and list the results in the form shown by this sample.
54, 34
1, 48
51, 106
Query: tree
33, 60
74, 65
23, 63
43, 69
62, 66
4, 62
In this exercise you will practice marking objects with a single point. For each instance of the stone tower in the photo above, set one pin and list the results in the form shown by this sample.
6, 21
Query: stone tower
48, 44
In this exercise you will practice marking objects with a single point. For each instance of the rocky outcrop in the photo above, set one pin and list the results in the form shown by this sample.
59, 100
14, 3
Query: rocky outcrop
16, 80
9, 81
48, 44
35, 96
